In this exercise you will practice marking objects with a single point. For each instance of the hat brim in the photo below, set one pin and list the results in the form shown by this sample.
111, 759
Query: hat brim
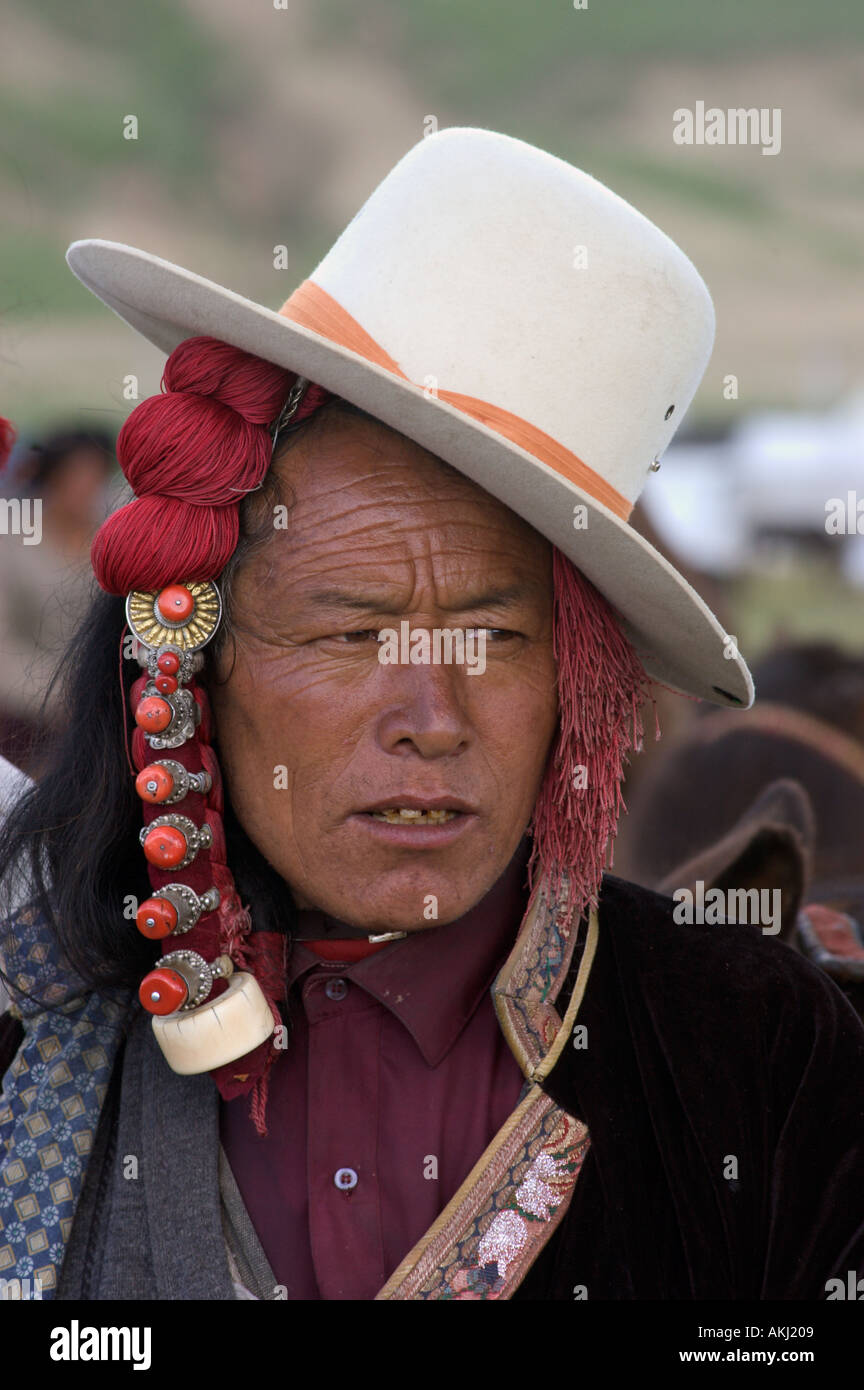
677, 637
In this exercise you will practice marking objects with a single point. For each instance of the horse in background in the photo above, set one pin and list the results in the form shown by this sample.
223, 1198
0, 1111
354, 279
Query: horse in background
770, 797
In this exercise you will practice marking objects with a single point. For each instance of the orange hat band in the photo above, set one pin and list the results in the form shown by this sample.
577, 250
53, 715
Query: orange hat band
314, 308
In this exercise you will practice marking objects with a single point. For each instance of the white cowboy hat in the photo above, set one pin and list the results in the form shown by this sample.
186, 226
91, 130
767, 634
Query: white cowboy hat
519, 320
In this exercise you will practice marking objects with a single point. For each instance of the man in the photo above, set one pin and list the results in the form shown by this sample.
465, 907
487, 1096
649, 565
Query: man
379, 743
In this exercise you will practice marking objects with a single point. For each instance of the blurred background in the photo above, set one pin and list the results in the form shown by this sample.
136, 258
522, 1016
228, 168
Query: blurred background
263, 125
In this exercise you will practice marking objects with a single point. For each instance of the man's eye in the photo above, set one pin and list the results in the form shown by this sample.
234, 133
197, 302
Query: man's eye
355, 639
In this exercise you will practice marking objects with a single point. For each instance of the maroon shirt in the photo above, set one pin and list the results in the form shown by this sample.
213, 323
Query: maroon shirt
395, 1079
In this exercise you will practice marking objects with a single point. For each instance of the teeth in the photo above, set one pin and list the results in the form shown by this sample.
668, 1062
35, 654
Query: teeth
404, 815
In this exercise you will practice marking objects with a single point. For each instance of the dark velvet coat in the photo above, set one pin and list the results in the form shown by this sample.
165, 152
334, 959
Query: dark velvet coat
723, 1087
707, 1043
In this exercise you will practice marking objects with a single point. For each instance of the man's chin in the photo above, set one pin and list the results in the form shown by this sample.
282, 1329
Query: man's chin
400, 907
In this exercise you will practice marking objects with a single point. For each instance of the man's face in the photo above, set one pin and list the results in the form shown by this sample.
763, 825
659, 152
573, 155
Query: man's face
317, 737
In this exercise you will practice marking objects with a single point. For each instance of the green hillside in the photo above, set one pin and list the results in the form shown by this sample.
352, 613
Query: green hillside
260, 127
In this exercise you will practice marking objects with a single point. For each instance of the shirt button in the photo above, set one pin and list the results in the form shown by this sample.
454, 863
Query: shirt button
345, 1179
336, 989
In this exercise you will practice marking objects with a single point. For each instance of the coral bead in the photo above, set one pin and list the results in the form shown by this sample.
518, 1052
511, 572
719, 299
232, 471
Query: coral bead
163, 991
165, 847
154, 784
166, 685
175, 604
168, 663
155, 918
153, 714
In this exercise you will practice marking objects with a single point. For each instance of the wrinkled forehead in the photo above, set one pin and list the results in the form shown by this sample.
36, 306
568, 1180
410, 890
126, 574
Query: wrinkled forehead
349, 484
343, 446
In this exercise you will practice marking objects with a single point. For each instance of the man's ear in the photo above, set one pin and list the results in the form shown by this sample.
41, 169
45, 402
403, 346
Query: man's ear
769, 847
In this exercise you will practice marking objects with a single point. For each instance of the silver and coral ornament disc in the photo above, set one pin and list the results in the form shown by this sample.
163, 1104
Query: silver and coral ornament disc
154, 628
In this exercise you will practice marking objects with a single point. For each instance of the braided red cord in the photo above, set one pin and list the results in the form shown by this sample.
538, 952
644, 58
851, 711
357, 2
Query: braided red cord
191, 454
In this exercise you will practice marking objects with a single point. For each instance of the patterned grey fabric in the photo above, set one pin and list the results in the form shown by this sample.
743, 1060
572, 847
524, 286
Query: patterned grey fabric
52, 1097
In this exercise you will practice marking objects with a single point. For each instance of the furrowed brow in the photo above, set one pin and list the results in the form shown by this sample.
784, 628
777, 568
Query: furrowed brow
353, 602
499, 596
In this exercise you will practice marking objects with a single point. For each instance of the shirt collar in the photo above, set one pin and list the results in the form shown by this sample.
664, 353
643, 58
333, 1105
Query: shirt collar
433, 980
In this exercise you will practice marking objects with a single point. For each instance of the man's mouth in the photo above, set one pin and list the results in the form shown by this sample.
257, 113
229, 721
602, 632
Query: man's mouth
408, 815
416, 823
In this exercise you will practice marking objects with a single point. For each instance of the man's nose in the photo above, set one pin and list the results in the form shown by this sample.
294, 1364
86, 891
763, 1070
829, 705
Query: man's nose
424, 710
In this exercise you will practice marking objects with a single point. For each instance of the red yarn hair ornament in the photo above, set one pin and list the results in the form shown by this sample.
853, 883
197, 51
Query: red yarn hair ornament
190, 455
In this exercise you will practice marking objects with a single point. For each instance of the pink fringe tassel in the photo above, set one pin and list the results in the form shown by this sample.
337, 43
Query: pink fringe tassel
601, 688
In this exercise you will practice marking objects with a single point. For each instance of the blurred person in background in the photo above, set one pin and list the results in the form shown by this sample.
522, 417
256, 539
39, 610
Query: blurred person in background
45, 583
